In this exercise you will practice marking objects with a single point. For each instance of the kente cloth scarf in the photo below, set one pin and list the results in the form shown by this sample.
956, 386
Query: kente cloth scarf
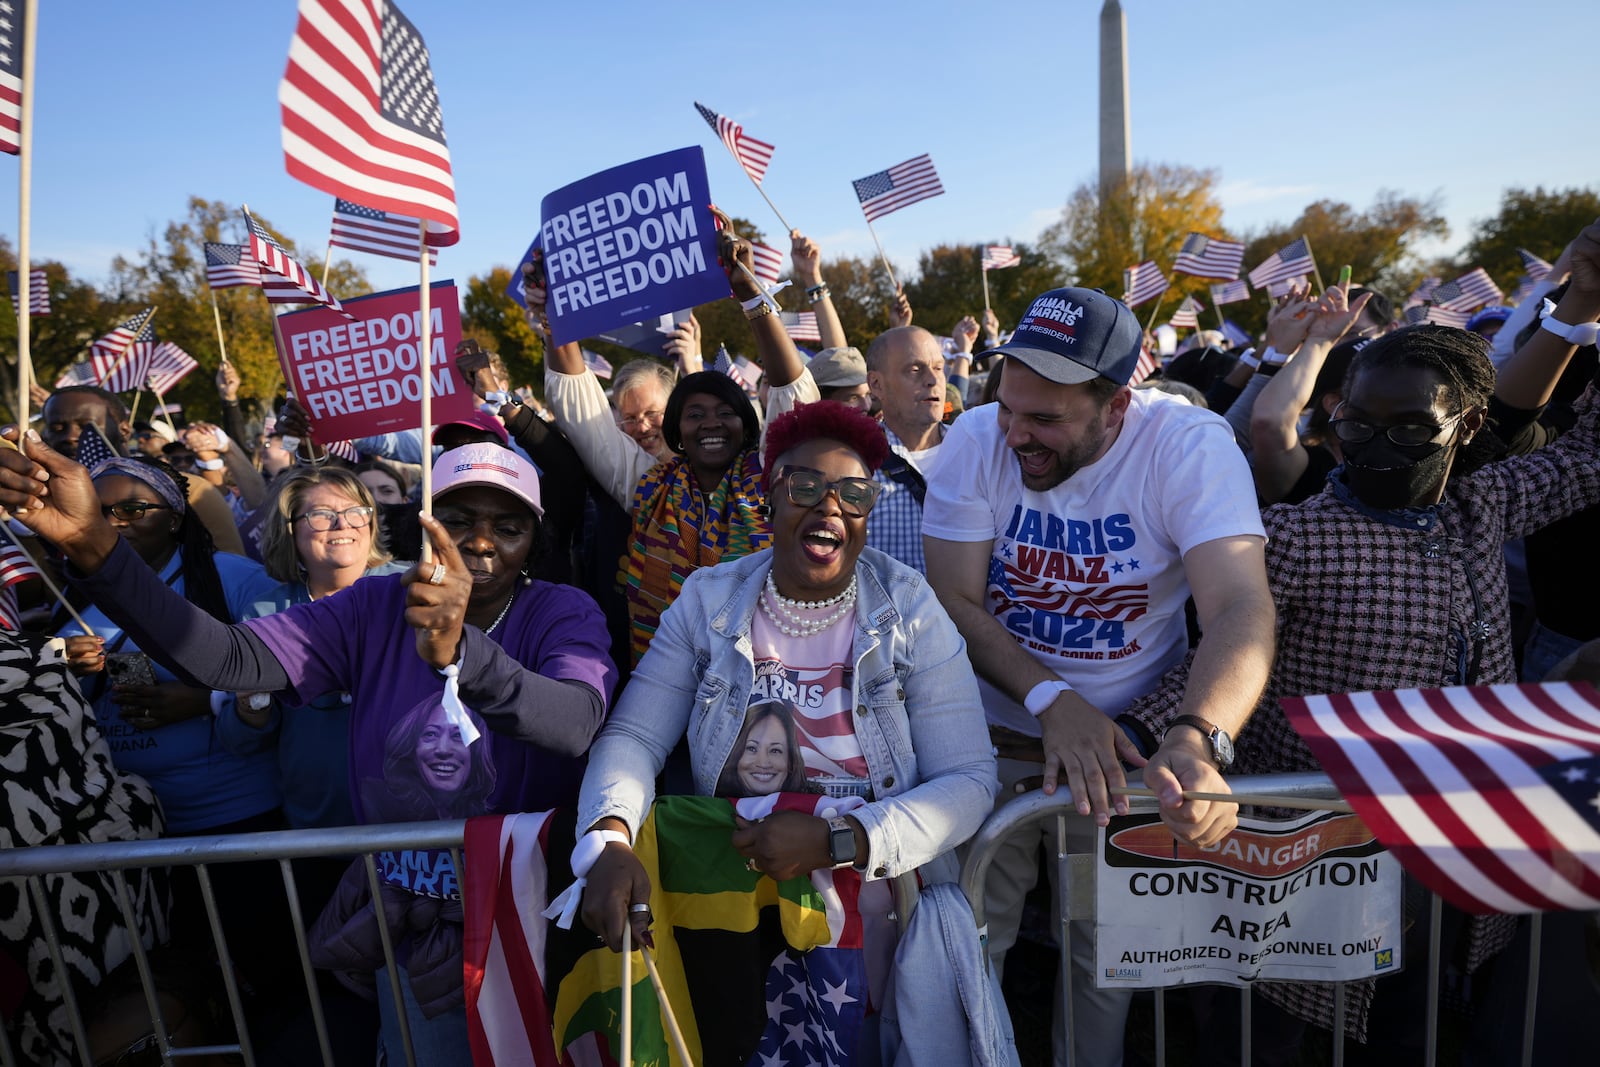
677, 529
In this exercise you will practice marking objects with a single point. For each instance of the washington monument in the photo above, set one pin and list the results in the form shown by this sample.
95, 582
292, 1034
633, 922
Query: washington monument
1115, 155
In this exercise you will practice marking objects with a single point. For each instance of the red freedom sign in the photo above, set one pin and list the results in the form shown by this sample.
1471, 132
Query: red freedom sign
359, 379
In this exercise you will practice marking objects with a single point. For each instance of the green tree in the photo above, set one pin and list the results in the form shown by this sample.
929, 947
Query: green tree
495, 321
1378, 243
170, 272
78, 314
1540, 220
1144, 218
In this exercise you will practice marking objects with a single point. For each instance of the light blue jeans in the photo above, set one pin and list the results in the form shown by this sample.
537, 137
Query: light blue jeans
437, 1042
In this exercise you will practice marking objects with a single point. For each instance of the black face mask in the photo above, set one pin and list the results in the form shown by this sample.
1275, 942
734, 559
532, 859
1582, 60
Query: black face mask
1385, 476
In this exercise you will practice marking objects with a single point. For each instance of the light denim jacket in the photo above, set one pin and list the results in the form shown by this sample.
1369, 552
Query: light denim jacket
918, 716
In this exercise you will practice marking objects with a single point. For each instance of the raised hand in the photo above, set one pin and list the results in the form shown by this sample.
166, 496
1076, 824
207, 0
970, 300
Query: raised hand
900, 313
806, 257
1288, 321
1331, 317
228, 383
683, 346
965, 334
437, 610
53, 496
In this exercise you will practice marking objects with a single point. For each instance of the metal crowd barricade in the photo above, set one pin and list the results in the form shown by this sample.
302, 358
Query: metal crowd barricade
1034, 808
32, 864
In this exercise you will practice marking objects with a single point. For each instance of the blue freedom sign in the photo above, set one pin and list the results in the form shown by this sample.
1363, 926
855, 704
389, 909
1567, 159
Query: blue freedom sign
629, 244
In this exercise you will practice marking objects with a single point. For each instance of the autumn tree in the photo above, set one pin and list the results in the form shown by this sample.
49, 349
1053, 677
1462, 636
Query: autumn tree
490, 317
170, 273
1144, 218
78, 314
1378, 243
1540, 220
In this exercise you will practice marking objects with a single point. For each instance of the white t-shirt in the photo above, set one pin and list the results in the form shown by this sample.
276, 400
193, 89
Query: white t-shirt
1089, 575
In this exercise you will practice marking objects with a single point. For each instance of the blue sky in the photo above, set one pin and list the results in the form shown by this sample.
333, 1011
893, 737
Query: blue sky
140, 106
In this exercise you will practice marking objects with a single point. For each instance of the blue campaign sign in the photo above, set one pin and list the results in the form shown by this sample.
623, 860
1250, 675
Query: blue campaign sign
514, 290
629, 244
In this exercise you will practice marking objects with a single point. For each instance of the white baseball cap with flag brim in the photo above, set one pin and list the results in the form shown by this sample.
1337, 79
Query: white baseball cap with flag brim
1072, 336
490, 465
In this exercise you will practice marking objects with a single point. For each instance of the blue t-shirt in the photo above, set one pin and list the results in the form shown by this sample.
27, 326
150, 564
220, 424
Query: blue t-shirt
199, 782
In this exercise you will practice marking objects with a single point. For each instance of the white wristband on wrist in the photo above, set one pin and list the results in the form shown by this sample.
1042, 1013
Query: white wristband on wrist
1581, 334
584, 856
1272, 355
1043, 695
210, 464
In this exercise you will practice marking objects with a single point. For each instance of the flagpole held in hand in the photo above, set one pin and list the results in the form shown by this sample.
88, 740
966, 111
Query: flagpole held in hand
24, 209
985, 272
424, 365
123, 355
49, 583
627, 994
1160, 299
883, 256
671, 1020
1315, 273
216, 313
327, 259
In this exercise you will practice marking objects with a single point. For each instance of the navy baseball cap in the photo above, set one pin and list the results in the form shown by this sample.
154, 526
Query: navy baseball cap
1071, 336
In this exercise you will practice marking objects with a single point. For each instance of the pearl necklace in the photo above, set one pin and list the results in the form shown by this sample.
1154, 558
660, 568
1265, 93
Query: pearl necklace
787, 618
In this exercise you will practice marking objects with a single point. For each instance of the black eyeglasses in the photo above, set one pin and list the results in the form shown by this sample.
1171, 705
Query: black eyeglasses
321, 519
1355, 431
131, 510
807, 488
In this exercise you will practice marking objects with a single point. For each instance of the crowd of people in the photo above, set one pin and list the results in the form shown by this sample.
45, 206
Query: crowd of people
889, 564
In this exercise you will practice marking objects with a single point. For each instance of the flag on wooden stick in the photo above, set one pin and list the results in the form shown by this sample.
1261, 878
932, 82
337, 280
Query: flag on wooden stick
38, 292
753, 155
1291, 260
361, 115
366, 229
900, 186
301, 288
11, 87
1141, 282
1536, 267
1209, 257
999, 257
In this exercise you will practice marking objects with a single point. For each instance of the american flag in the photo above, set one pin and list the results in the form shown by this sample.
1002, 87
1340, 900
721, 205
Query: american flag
124, 369
900, 186
13, 28
93, 448
768, 264
999, 257
737, 368
1287, 262
230, 266
1472, 290
167, 366
802, 326
283, 279
1144, 368
1277, 289
366, 229
1423, 293
597, 363
1489, 795
361, 116
1440, 315
15, 564
1209, 257
1142, 282
38, 292
1230, 292
753, 155
1536, 267
1187, 317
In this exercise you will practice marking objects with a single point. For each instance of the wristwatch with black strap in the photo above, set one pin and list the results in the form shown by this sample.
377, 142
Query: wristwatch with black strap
1217, 739
841, 842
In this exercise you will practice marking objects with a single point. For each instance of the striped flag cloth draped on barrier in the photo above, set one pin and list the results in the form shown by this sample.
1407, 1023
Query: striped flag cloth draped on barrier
1489, 795
1287, 262
900, 186
1230, 292
230, 266
1536, 267
753, 155
1470, 291
366, 229
1209, 257
361, 116
11, 87
38, 292
999, 257
283, 278
756, 971
1141, 282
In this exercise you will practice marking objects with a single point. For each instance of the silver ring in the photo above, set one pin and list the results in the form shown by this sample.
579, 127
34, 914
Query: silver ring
638, 909
437, 577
